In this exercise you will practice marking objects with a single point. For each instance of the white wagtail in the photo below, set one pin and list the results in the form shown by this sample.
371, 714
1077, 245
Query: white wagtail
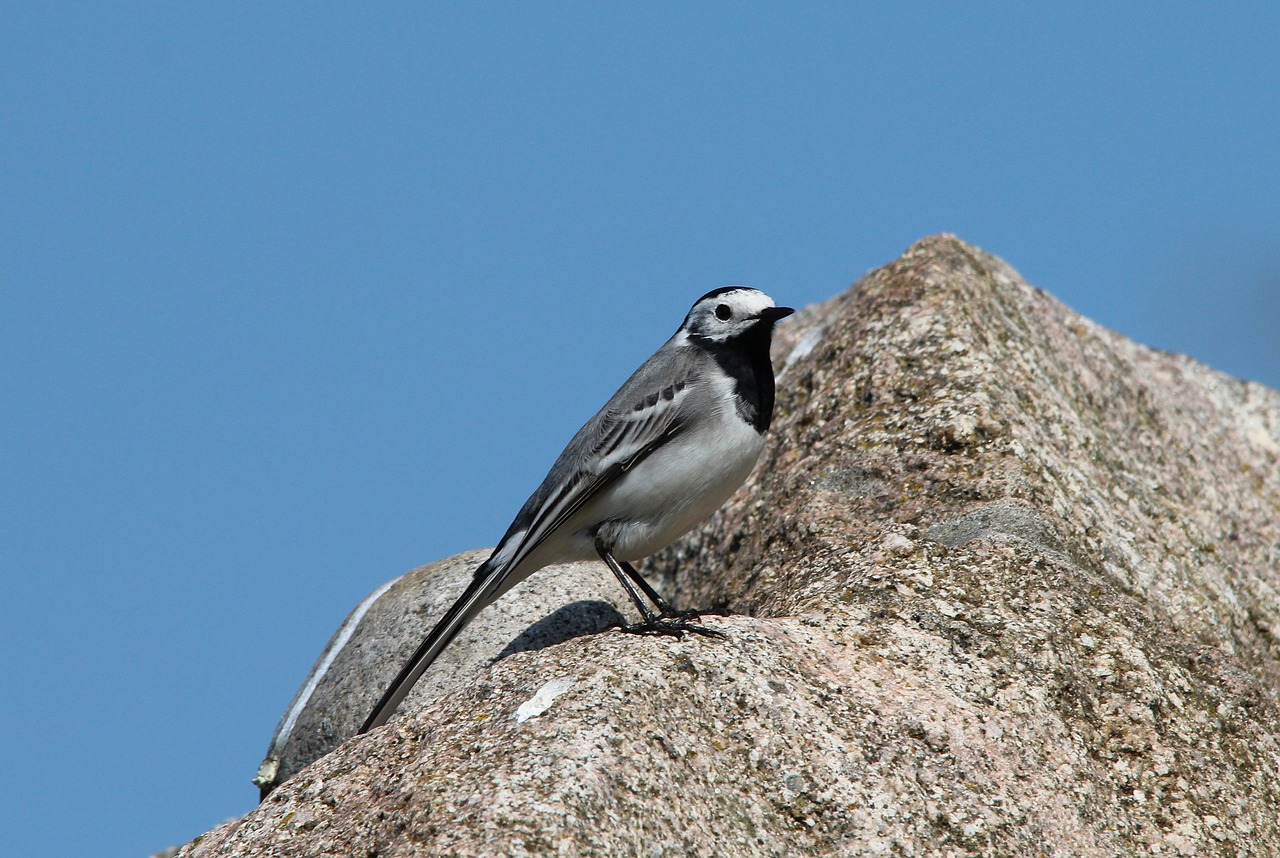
662, 455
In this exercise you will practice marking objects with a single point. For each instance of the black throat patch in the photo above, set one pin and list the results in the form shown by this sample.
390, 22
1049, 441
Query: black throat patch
746, 359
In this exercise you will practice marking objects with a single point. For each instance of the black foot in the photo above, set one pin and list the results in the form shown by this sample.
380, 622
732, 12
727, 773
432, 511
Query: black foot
671, 626
670, 613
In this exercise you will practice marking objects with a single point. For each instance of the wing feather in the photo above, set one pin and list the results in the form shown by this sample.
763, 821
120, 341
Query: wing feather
643, 415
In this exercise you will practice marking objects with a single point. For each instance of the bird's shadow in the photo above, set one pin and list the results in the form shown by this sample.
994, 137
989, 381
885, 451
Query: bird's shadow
585, 617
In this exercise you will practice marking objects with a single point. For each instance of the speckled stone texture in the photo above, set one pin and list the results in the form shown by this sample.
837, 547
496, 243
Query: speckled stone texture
1007, 584
368, 650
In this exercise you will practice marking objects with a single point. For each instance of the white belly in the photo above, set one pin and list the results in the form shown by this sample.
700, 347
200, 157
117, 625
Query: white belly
672, 490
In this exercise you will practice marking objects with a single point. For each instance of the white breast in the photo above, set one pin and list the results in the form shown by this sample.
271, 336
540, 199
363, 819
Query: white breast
677, 486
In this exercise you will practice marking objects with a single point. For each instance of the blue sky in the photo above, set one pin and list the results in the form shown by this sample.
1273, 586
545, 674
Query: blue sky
293, 299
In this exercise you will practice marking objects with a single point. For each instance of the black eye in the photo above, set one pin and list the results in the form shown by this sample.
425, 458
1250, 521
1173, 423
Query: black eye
723, 313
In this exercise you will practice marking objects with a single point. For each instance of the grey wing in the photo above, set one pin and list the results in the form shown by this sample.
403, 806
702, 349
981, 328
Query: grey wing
641, 416
650, 409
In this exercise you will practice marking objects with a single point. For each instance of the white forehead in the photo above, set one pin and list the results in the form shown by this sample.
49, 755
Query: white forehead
744, 299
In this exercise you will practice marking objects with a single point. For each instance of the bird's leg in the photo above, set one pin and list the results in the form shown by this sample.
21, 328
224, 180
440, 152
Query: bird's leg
645, 613
669, 623
666, 610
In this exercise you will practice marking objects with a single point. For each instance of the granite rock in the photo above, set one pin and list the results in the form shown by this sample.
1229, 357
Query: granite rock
378, 636
1005, 583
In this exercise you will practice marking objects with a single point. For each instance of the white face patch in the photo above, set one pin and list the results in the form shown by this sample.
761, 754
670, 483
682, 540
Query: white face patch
722, 315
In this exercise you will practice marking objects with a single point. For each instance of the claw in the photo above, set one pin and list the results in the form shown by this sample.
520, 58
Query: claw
671, 626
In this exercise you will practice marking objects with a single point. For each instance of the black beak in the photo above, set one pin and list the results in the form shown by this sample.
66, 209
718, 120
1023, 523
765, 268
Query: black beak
773, 314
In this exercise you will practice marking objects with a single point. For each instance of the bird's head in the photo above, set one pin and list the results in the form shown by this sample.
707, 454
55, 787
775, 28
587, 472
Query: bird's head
731, 312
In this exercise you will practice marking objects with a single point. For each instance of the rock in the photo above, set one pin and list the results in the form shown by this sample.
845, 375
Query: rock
1008, 584
368, 650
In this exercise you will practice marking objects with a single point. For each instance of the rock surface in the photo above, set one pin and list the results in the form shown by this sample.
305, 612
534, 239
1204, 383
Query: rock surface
360, 660
1007, 583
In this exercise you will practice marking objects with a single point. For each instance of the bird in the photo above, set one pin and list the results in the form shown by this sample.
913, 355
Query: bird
663, 454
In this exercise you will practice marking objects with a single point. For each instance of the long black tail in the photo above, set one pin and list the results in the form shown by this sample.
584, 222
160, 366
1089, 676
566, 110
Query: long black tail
477, 595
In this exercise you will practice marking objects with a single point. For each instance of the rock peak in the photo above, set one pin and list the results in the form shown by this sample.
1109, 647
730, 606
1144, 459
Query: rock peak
1004, 583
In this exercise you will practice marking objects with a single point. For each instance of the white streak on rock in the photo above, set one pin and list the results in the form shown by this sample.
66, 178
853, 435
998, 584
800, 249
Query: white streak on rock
542, 700
811, 338
344, 635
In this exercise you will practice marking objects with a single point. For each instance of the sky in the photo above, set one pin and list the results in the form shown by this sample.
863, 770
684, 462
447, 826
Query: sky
295, 297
